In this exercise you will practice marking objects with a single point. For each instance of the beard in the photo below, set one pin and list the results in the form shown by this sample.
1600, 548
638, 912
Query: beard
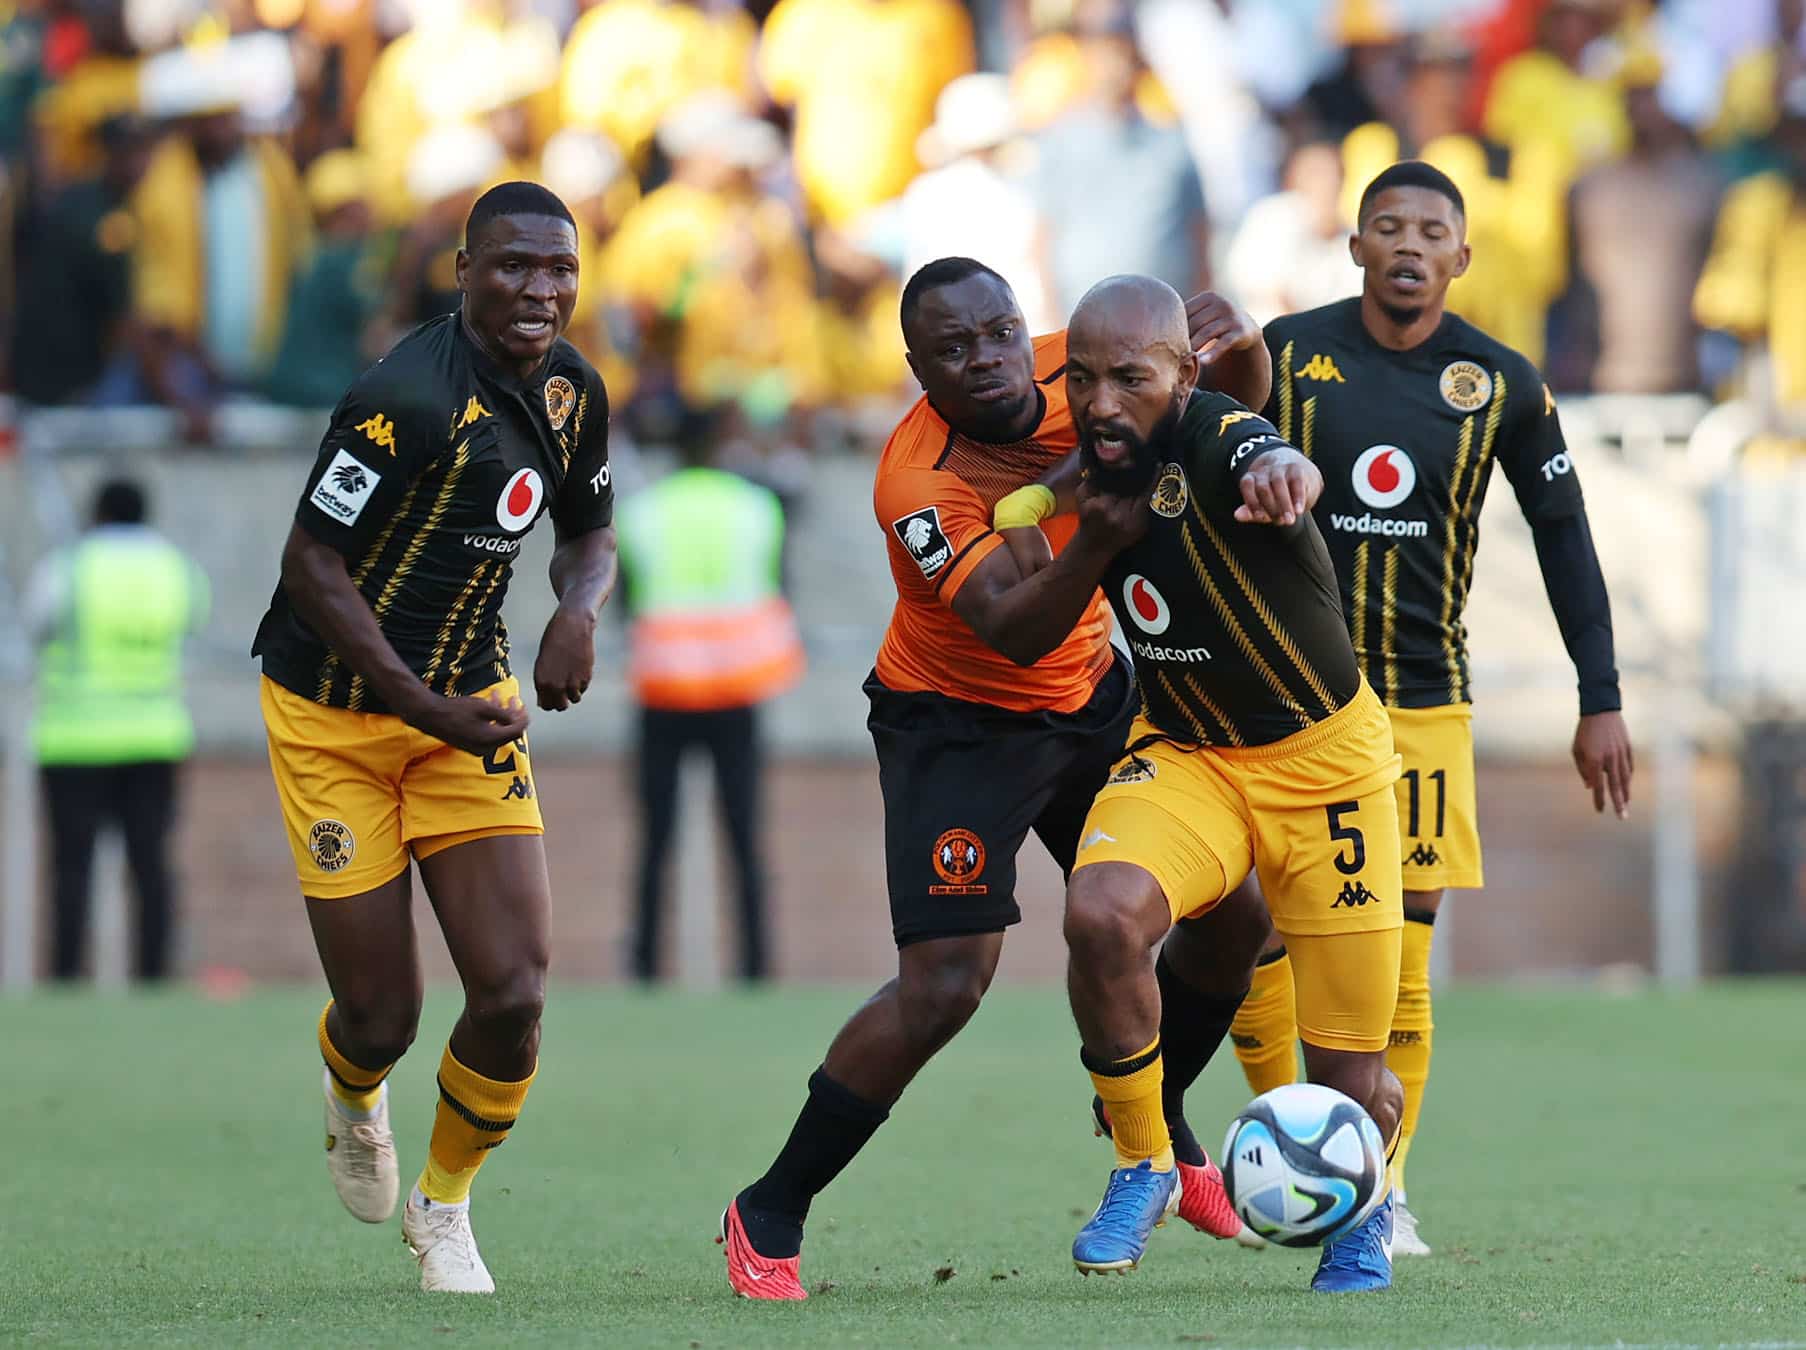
1135, 474
1402, 315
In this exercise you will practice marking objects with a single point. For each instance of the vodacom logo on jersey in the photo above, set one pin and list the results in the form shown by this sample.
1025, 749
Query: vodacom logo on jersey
1146, 605
519, 502
1384, 476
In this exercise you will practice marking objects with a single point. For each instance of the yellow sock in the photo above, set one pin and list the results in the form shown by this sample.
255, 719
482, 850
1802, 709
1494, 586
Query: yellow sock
1130, 1089
1265, 1030
474, 1115
354, 1085
1409, 1054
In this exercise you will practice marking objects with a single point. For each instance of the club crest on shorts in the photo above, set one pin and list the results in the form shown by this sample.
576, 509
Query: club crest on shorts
332, 845
959, 861
1134, 769
561, 397
1171, 492
1465, 387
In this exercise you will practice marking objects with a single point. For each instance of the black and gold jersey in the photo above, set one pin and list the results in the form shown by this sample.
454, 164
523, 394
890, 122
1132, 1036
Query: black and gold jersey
1236, 629
436, 465
1407, 441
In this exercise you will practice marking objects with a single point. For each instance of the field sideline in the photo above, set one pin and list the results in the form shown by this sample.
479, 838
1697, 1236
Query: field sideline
1597, 1171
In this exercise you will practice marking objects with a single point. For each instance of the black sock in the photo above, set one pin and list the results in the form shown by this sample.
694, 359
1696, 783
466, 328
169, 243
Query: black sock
832, 1127
1192, 1025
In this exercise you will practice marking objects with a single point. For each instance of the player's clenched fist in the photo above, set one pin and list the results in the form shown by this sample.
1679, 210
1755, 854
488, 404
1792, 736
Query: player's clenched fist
471, 723
1279, 488
567, 658
1218, 326
1111, 522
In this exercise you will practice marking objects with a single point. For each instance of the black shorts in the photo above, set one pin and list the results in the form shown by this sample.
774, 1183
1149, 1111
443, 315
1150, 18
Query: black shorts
964, 783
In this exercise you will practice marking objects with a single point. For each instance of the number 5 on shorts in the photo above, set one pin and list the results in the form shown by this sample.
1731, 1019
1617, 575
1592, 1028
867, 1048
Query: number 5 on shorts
1353, 862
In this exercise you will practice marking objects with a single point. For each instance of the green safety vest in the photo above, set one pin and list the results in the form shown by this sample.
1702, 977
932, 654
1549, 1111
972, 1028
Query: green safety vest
701, 553
110, 676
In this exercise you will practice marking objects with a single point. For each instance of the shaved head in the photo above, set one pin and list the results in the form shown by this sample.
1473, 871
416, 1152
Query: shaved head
1143, 313
1130, 371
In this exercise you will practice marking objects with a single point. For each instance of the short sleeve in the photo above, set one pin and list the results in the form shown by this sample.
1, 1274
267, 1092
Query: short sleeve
936, 525
1534, 454
382, 437
586, 500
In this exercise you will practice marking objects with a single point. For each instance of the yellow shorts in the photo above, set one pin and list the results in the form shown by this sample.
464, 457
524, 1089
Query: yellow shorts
360, 792
1315, 815
1437, 813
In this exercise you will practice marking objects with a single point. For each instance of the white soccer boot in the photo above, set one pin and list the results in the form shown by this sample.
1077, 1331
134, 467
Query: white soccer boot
360, 1155
441, 1240
1405, 1241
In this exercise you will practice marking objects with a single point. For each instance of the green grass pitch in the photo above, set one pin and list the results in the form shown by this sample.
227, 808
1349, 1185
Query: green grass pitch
1595, 1171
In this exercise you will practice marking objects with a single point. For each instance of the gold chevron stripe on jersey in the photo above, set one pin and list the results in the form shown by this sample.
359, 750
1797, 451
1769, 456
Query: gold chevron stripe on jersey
1239, 634
443, 640
1388, 616
1286, 390
1209, 705
1281, 637
1200, 732
1494, 415
477, 613
410, 556
1358, 630
1306, 434
1450, 657
329, 668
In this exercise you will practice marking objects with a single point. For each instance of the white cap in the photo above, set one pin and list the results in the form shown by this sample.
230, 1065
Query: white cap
973, 113
451, 159
253, 73
577, 164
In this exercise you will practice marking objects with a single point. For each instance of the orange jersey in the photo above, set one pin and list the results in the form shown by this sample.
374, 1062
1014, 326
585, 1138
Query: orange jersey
933, 498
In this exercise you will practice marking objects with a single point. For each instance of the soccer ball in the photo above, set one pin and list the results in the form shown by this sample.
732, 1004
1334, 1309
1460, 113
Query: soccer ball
1304, 1164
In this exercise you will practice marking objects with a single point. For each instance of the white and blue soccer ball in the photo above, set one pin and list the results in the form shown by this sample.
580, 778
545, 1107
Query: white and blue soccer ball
1304, 1164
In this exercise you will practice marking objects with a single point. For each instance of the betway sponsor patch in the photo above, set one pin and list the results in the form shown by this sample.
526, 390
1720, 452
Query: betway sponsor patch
344, 488
1369, 523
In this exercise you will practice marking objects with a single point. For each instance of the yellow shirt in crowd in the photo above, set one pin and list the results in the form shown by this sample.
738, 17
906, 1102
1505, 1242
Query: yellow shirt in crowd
1754, 283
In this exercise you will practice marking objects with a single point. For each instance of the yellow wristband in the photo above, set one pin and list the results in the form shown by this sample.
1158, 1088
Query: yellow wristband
1025, 506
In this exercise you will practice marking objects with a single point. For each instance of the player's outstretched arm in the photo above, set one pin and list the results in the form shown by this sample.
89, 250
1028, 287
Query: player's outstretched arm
583, 577
1279, 488
319, 587
1026, 617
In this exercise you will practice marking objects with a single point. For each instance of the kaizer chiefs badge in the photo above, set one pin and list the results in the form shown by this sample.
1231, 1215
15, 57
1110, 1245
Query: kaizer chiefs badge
1171, 492
1465, 387
332, 845
561, 397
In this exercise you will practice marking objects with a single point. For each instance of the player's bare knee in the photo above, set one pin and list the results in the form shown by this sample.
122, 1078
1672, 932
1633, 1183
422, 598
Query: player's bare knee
508, 1010
378, 1030
1108, 916
940, 998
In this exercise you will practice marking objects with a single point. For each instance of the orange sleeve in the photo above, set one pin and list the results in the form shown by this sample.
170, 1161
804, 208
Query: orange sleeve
934, 524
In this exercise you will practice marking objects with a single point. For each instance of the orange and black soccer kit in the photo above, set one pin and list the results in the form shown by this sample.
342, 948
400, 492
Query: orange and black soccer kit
1258, 746
975, 751
433, 470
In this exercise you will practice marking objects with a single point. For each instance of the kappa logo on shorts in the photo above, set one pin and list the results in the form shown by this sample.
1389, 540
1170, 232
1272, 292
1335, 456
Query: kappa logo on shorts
1171, 492
345, 488
332, 844
1134, 769
1424, 855
1092, 840
520, 787
1354, 895
1407, 1038
959, 861
920, 532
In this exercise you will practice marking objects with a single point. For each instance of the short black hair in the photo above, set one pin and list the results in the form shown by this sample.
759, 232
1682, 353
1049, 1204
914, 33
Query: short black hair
942, 272
1411, 173
120, 501
518, 198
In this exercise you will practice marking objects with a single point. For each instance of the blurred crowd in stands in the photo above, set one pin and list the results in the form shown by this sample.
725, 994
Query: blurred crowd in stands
204, 199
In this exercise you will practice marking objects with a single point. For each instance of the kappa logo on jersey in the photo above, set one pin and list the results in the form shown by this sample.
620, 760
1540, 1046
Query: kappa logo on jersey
519, 503
959, 861
380, 430
1146, 605
473, 410
332, 845
1171, 492
1320, 367
1548, 401
920, 532
1231, 418
561, 397
344, 488
1384, 476
1465, 387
